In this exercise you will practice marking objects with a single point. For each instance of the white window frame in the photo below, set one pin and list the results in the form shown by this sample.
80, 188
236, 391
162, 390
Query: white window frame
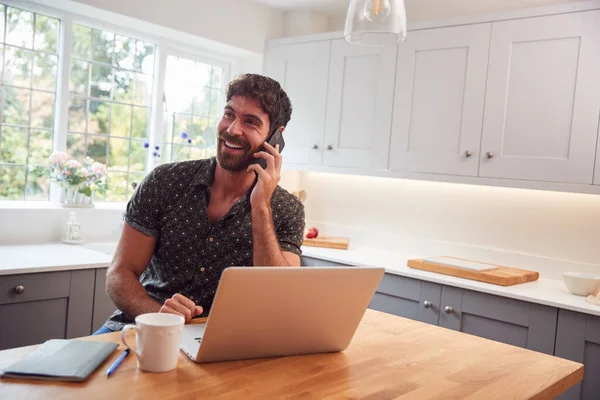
179, 47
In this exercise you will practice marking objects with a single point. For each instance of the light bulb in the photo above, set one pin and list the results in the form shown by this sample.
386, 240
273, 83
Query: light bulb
377, 10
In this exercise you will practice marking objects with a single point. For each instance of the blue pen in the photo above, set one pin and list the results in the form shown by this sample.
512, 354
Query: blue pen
116, 363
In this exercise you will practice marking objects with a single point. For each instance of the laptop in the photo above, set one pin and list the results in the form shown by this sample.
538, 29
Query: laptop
264, 312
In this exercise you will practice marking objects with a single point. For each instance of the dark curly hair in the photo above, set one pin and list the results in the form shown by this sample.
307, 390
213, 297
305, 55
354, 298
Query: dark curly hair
267, 93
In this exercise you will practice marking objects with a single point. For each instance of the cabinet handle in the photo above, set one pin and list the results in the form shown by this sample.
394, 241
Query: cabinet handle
427, 304
20, 289
468, 154
448, 310
489, 154
315, 146
329, 147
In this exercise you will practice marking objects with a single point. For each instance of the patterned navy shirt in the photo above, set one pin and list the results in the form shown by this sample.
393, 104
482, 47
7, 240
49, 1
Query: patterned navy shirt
191, 253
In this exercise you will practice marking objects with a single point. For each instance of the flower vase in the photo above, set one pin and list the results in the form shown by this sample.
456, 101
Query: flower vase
70, 197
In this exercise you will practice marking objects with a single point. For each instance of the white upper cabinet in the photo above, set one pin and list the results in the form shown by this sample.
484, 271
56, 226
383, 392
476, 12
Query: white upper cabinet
543, 99
302, 70
359, 106
439, 98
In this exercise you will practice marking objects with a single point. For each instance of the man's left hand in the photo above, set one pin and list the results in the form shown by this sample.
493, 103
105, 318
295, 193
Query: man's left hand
267, 178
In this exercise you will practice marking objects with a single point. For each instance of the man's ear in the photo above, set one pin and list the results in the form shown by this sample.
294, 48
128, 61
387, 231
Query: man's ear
281, 129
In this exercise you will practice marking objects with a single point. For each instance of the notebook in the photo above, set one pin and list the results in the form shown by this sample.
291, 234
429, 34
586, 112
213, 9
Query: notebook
61, 360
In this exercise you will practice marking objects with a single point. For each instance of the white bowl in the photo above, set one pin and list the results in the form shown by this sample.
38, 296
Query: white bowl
581, 283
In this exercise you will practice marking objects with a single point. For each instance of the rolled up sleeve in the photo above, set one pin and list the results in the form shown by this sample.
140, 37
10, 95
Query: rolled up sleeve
142, 211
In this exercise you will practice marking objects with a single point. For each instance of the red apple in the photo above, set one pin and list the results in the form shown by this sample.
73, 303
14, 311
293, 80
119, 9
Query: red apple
312, 233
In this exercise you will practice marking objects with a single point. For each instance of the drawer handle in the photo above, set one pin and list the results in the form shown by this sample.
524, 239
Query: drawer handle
427, 304
20, 289
448, 309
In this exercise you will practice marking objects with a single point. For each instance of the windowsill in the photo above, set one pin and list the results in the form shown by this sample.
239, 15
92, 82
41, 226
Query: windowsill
46, 205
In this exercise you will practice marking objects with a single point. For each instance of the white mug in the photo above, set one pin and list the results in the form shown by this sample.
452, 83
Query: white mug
158, 338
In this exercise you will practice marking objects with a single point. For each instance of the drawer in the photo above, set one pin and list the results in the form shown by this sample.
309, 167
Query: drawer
40, 286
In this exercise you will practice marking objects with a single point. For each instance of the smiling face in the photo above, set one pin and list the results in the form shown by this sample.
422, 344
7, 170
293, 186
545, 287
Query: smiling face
242, 130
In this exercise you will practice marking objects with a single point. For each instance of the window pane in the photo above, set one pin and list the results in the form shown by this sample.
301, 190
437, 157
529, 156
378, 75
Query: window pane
12, 182
120, 120
119, 154
38, 183
134, 179
181, 123
17, 69
211, 133
13, 145
140, 122
42, 109
138, 153
79, 78
123, 86
82, 42
215, 104
16, 106
19, 27
75, 146
144, 57
102, 46
198, 130
201, 75
217, 77
142, 89
165, 152
77, 117
117, 186
2, 9
98, 117
197, 153
97, 148
101, 82
201, 103
124, 52
44, 72
40, 146
180, 152
46, 34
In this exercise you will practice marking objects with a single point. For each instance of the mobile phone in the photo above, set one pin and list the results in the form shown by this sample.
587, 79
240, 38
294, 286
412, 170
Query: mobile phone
274, 138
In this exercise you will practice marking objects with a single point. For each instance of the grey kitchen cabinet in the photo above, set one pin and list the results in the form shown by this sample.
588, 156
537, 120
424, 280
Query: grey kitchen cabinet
103, 305
407, 297
578, 339
510, 321
315, 262
40, 306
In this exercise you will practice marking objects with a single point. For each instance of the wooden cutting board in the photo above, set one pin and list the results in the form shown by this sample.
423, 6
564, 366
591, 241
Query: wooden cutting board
330, 242
503, 276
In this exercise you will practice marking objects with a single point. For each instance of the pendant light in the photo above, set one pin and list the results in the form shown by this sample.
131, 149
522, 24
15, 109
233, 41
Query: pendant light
375, 22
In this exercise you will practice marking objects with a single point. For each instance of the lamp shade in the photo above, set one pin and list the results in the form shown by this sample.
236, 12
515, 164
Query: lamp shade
375, 22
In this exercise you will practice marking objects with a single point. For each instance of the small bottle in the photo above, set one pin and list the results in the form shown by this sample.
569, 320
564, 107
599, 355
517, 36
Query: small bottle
73, 228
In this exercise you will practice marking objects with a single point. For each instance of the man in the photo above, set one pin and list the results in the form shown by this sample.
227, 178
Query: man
188, 221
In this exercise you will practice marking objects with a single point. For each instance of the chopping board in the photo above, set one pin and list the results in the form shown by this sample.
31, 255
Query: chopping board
330, 242
499, 275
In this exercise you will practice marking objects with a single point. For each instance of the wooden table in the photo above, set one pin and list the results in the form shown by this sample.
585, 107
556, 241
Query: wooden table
389, 357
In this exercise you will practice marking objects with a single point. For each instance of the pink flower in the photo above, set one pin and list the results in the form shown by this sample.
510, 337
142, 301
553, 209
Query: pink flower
99, 168
68, 173
85, 173
58, 157
73, 164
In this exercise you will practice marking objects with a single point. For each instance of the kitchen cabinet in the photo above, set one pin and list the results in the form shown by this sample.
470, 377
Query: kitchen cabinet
578, 339
542, 99
511, 321
313, 262
41, 306
302, 69
103, 305
439, 99
359, 105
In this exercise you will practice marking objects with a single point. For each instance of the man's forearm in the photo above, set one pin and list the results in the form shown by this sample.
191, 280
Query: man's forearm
265, 244
128, 294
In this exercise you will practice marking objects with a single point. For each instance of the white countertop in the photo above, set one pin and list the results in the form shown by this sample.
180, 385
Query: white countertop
61, 257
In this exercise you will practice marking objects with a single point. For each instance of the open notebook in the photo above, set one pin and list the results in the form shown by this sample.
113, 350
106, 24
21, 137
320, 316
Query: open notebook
61, 360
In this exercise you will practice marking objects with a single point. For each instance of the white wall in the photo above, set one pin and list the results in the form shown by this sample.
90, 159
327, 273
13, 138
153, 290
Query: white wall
239, 23
555, 225
423, 10
298, 23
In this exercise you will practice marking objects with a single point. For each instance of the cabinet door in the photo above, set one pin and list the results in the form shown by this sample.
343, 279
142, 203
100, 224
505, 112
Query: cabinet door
438, 104
408, 298
578, 339
515, 322
302, 70
315, 262
543, 99
359, 105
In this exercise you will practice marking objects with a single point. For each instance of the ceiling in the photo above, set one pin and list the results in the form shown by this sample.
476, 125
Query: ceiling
328, 7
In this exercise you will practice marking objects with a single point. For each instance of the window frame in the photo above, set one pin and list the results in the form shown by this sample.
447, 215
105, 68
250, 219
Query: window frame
164, 47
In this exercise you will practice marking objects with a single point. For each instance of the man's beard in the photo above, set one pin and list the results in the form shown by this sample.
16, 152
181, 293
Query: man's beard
231, 162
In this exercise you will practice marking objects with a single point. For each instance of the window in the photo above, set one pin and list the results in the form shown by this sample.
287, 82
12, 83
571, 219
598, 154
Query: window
109, 105
193, 98
29, 45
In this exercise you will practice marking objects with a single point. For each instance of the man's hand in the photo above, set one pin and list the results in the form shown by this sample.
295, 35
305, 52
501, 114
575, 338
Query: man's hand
181, 305
267, 178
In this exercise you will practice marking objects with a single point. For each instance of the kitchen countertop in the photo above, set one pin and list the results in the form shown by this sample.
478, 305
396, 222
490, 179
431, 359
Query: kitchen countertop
60, 257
